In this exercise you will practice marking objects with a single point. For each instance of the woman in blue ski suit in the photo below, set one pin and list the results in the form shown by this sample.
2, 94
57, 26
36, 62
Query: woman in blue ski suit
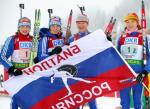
51, 39
18, 48
130, 45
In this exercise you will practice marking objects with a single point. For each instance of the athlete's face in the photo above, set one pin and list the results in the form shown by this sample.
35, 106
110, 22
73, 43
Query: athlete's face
131, 25
24, 30
55, 29
82, 26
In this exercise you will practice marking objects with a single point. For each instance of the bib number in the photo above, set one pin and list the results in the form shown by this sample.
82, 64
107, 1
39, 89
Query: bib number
21, 56
131, 51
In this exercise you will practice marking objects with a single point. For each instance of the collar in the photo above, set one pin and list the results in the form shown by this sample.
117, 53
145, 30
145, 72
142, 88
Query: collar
82, 34
22, 36
54, 35
129, 32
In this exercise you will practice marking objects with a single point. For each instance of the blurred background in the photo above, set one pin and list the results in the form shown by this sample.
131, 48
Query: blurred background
99, 12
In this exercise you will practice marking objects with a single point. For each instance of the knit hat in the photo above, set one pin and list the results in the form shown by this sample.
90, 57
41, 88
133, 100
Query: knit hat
82, 18
131, 16
24, 22
55, 20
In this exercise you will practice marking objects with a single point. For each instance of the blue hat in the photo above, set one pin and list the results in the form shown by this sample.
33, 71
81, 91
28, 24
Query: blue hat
24, 22
55, 20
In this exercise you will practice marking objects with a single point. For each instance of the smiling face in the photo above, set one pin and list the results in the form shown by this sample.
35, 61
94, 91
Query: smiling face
55, 29
82, 26
131, 24
24, 30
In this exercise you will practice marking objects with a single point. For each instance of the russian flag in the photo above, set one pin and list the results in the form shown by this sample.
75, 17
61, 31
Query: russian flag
99, 70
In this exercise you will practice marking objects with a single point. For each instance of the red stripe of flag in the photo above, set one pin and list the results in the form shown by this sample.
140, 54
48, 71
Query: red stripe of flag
112, 77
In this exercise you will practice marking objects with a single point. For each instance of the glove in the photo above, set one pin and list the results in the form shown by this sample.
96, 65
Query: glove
15, 72
18, 72
36, 60
56, 50
141, 76
109, 38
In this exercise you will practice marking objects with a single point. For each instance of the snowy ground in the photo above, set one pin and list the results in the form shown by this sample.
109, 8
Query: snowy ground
5, 103
103, 103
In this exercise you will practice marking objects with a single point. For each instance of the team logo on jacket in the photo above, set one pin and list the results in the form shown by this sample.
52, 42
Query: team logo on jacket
25, 44
59, 42
131, 40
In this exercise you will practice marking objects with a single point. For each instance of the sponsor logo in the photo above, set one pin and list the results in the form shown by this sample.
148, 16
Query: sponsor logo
131, 40
59, 42
25, 44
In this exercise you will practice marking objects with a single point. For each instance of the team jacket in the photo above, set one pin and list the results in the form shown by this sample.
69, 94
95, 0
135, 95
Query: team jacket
17, 48
130, 45
48, 42
77, 36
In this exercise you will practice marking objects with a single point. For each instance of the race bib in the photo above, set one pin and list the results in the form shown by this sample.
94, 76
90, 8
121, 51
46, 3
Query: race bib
21, 56
130, 51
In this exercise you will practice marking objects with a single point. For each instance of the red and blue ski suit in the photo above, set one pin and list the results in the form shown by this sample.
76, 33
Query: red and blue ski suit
18, 47
48, 42
92, 103
130, 45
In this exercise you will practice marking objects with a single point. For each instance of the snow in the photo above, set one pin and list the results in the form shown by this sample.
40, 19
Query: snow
5, 102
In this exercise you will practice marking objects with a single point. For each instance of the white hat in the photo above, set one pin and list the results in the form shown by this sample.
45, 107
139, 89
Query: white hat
82, 18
